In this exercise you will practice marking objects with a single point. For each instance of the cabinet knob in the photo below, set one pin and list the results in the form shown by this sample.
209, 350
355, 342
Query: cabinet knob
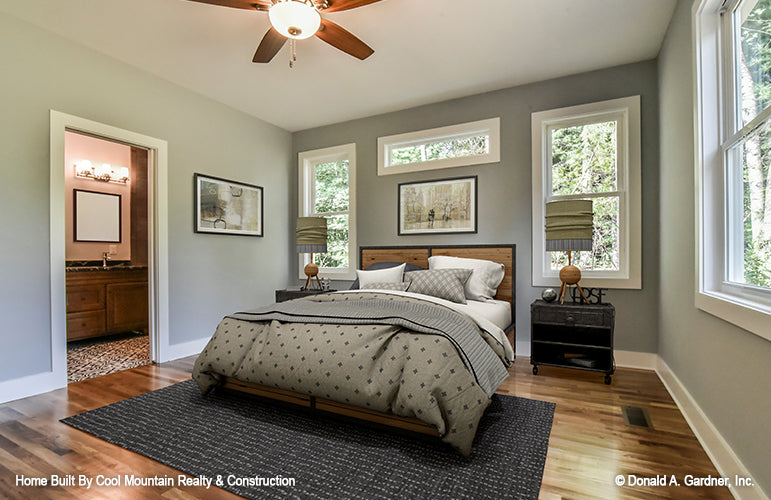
571, 318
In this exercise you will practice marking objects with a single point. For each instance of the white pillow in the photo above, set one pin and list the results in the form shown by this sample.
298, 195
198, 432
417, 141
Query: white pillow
484, 280
390, 275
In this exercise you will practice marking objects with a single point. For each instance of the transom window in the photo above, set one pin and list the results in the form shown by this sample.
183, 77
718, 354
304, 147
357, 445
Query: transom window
453, 146
591, 152
327, 182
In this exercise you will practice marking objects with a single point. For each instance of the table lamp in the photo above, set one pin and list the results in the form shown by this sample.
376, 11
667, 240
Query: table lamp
311, 238
568, 228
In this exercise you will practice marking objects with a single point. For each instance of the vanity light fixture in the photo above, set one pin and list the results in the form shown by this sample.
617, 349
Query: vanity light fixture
104, 172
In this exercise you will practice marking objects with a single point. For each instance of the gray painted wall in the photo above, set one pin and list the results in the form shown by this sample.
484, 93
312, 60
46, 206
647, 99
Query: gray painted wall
725, 368
209, 275
505, 188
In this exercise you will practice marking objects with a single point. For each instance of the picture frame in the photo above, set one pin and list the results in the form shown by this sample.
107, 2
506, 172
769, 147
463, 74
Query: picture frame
222, 206
442, 206
97, 216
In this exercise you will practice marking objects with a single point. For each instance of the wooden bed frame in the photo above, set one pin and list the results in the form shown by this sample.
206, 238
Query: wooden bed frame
418, 255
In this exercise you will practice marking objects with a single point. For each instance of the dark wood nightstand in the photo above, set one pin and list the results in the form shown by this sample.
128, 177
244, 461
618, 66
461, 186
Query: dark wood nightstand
576, 336
282, 295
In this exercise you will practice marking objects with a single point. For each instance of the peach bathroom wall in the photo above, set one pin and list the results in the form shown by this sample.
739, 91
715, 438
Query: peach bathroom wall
98, 151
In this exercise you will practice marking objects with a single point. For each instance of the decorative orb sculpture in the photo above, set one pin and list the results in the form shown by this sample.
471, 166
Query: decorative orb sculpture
549, 295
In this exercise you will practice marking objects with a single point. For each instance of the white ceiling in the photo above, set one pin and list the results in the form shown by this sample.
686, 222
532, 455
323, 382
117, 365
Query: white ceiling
425, 50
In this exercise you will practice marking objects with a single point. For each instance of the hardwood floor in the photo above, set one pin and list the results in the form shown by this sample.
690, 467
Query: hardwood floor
589, 445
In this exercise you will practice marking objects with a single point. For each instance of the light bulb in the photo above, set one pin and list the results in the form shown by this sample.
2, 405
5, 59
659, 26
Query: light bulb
295, 19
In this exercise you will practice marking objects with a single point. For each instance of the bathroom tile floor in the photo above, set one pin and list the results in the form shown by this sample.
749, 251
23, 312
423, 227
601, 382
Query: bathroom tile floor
94, 357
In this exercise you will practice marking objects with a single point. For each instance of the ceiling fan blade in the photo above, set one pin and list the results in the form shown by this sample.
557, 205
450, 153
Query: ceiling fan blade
342, 39
239, 4
271, 43
338, 5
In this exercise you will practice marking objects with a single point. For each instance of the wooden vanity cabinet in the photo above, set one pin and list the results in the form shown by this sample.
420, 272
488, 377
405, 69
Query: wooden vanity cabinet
104, 302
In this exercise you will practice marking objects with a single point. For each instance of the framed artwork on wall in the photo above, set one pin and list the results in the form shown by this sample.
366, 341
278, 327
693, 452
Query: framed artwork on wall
438, 207
227, 207
97, 216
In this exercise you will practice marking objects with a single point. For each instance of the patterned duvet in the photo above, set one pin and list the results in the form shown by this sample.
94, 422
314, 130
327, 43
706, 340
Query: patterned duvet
403, 368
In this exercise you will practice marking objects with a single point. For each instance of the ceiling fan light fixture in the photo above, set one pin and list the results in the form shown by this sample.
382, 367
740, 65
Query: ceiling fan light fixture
295, 19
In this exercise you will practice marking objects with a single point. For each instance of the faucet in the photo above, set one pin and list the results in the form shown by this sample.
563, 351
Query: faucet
105, 258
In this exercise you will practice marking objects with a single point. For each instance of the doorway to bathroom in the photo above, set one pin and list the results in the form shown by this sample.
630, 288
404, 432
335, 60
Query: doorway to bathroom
103, 207
106, 255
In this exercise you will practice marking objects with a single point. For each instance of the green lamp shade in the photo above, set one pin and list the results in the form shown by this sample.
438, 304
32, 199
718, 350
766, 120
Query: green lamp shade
311, 234
569, 225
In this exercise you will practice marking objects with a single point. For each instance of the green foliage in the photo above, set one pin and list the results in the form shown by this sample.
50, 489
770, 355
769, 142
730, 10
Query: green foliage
331, 197
331, 182
453, 148
337, 243
755, 77
584, 162
756, 55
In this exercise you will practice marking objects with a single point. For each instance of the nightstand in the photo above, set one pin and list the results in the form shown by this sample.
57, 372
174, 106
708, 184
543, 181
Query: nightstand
576, 336
282, 295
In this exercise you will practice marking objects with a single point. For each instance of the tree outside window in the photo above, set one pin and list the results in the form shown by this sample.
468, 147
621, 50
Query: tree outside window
748, 154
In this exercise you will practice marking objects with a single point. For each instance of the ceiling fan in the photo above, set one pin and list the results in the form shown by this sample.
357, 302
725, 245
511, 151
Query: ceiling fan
300, 19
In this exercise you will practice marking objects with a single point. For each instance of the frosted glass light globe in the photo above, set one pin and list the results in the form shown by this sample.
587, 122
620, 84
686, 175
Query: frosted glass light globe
293, 19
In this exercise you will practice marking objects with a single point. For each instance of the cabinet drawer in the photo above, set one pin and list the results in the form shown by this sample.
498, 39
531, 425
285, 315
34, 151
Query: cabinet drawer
85, 298
85, 324
566, 316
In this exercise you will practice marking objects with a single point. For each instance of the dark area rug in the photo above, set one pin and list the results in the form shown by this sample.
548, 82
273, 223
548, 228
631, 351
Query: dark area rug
91, 358
227, 435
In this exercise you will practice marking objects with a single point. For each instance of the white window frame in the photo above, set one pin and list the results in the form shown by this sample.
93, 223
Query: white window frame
626, 112
306, 197
746, 306
490, 127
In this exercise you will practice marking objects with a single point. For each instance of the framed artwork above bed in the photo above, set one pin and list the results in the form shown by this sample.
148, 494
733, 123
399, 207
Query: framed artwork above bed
438, 207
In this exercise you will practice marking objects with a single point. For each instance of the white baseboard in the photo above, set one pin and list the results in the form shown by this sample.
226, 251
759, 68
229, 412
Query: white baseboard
721, 454
176, 351
30, 385
522, 348
39, 383
634, 359
625, 359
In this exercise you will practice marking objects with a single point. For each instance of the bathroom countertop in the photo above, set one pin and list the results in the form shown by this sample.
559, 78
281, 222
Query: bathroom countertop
110, 267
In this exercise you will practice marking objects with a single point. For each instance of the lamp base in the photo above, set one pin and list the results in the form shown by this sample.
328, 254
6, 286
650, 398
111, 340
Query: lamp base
311, 271
570, 275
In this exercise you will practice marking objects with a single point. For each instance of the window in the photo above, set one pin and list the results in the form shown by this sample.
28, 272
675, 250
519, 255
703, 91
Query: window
454, 146
592, 152
733, 154
327, 189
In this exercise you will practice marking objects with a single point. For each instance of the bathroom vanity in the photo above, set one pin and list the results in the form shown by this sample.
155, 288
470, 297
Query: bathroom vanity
104, 301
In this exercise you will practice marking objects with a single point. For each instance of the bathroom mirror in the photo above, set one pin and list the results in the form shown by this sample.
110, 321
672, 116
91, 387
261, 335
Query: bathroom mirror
97, 216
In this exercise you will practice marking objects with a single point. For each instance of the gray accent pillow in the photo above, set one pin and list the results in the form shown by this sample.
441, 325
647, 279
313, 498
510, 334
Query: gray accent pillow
385, 265
443, 283
402, 286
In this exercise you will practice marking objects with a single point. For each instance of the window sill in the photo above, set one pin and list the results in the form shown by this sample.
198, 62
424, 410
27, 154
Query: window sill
750, 316
589, 282
333, 275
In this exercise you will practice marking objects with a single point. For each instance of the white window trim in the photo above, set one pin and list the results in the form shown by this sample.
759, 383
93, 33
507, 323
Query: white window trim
386, 144
305, 201
627, 111
741, 306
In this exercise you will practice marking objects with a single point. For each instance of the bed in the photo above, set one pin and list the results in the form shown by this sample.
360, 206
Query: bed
389, 357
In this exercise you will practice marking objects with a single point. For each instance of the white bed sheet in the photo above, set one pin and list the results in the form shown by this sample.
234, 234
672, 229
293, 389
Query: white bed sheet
476, 313
497, 311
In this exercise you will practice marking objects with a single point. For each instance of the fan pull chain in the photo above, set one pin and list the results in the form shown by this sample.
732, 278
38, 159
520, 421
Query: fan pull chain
293, 48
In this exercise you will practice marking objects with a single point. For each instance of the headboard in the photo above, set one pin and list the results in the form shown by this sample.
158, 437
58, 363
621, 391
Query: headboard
418, 255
